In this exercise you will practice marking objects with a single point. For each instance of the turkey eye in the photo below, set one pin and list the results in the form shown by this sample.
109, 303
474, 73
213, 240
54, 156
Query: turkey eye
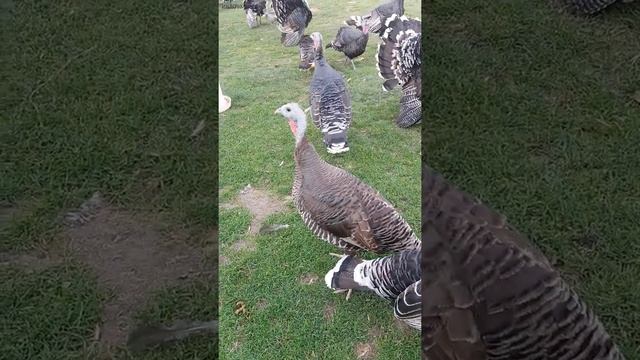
288, 109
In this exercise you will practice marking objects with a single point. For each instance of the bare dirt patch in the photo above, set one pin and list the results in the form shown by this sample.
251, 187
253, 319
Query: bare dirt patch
260, 204
308, 279
31, 262
329, 311
132, 255
368, 350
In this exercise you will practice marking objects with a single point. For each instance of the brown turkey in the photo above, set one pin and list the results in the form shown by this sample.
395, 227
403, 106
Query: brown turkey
307, 53
490, 294
338, 207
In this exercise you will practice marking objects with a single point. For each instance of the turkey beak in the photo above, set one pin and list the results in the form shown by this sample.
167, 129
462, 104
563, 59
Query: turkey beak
328, 46
277, 111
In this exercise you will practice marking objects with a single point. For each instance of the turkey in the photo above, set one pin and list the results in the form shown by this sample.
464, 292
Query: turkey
269, 13
395, 278
398, 63
350, 41
307, 53
330, 101
338, 207
375, 21
493, 295
355, 21
254, 9
293, 17
591, 7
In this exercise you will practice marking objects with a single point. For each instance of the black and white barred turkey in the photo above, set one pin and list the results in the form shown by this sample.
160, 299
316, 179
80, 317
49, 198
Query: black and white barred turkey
330, 101
492, 294
293, 17
254, 10
338, 207
350, 41
398, 63
375, 21
396, 278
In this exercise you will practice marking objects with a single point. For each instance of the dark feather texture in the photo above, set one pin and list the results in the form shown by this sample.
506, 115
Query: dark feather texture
395, 278
492, 294
307, 53
293, 17
330, 102
590, 7
375, 21
399, 63
254, 10
350, 41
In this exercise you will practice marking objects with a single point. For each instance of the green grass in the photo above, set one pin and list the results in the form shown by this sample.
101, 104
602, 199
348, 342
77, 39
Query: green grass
48, 314
101, 97
530, 109
285, 318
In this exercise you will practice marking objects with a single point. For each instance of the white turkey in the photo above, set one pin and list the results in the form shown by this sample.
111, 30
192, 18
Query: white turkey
350, 41
398, 62
330, 101
395, 278
293, 17
492, 294
254, 10
375, 21
307, 53
338, 207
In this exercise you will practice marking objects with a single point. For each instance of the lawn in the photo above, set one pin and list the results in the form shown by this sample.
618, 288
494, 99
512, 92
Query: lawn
532, 110
104, 97
273, 300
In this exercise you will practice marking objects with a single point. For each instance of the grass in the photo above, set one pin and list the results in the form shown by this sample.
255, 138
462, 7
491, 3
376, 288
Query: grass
530, 109
101, 97
285, 319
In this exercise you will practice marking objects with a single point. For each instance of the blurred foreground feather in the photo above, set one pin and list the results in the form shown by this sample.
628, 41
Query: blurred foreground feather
147, 336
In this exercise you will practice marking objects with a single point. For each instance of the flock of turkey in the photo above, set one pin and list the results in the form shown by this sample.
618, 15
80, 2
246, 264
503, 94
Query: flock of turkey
335, 205
490, 293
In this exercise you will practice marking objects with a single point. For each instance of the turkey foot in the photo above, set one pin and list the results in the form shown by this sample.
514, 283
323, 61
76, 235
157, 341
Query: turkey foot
340, 291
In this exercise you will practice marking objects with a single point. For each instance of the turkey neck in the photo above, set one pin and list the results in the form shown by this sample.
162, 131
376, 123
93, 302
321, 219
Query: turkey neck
319, 59
306, 155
